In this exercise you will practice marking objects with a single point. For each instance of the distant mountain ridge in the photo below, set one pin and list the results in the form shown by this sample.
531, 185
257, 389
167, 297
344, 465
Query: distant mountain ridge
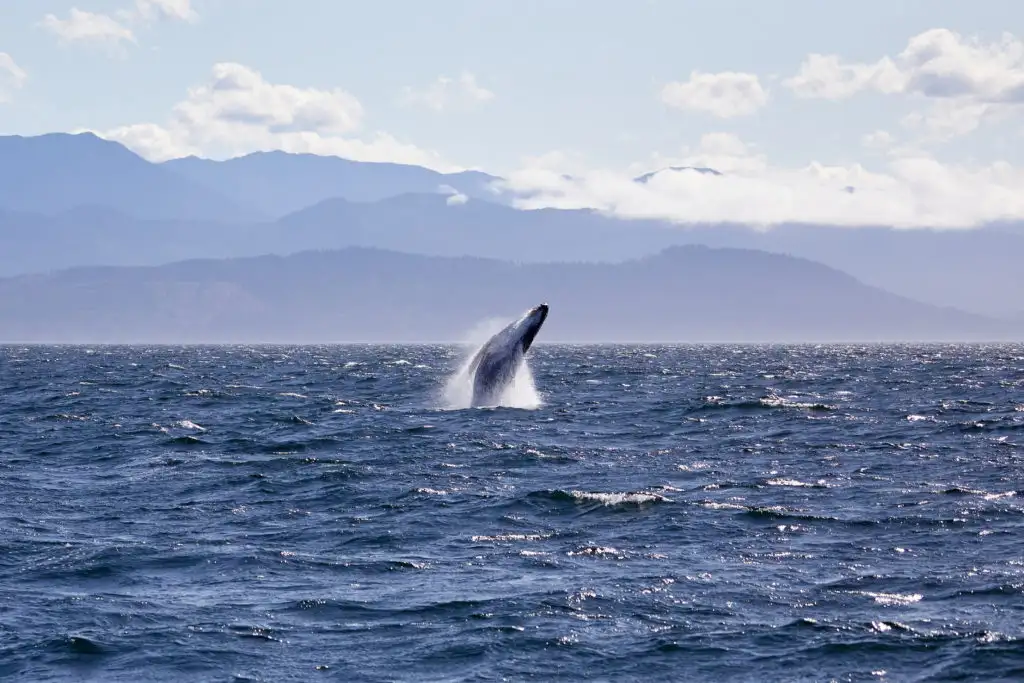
693, 294
76, 200
978, 270
279, 183
57, 172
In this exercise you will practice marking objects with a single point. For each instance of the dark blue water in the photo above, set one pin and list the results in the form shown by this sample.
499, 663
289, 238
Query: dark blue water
669, 513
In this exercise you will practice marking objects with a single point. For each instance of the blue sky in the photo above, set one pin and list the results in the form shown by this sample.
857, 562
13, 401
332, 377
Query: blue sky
594, 87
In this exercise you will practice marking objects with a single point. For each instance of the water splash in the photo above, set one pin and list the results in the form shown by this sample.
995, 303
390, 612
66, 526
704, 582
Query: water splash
458, 390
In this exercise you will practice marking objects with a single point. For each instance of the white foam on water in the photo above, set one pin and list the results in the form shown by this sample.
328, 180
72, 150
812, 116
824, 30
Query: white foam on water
458, 390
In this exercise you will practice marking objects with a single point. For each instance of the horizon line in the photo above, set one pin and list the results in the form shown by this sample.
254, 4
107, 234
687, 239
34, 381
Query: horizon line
552, 343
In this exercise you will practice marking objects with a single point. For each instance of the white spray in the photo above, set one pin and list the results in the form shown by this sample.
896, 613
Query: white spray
458, 390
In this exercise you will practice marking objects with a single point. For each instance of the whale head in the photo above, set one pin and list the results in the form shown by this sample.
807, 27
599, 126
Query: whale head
530, 324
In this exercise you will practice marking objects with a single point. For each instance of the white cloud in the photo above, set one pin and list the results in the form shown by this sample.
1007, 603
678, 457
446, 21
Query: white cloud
913, 190
725, 95
237, 111
89, 28
939, 63
446, 92
178, 10
879, 139
826, 77
966, 80
723, 152
12, 76
455, 198
104, 30
945, 119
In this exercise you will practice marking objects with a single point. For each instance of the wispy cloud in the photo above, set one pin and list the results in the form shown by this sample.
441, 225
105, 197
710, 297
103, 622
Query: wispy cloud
89, 28
237, 111
964, 81
913, 190
446, 93
113, 33
725, 95
12, 76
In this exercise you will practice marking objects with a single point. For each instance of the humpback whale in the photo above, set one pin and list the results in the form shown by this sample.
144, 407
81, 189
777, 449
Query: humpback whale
495, 365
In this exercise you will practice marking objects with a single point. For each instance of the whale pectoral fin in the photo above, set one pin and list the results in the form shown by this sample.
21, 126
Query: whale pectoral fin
475, 362
478, 395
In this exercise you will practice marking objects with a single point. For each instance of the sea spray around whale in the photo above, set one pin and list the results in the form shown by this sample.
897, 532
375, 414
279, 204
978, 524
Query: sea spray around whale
520, 392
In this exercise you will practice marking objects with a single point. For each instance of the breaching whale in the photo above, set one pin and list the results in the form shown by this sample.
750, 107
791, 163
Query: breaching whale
495, 365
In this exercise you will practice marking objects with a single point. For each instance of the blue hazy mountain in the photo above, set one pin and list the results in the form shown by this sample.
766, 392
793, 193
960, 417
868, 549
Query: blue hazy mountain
420, 223
57, 172
73, 200
681, 294
977, 270
433, 225
279, 183
96, 235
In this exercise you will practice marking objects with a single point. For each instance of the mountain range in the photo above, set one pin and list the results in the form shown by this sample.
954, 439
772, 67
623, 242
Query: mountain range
690, 293
52, 173
57, 172
68, 201
277, 183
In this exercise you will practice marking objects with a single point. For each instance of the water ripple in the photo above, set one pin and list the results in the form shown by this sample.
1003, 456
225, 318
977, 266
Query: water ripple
728, 513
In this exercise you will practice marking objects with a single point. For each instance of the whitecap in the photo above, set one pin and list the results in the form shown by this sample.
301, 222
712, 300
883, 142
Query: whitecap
611, 499
891, 599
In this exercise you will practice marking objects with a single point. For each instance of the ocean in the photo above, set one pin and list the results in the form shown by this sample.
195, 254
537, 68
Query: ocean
676, 513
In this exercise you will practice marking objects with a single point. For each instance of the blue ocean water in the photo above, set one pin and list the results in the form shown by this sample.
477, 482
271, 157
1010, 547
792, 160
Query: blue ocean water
705, 513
